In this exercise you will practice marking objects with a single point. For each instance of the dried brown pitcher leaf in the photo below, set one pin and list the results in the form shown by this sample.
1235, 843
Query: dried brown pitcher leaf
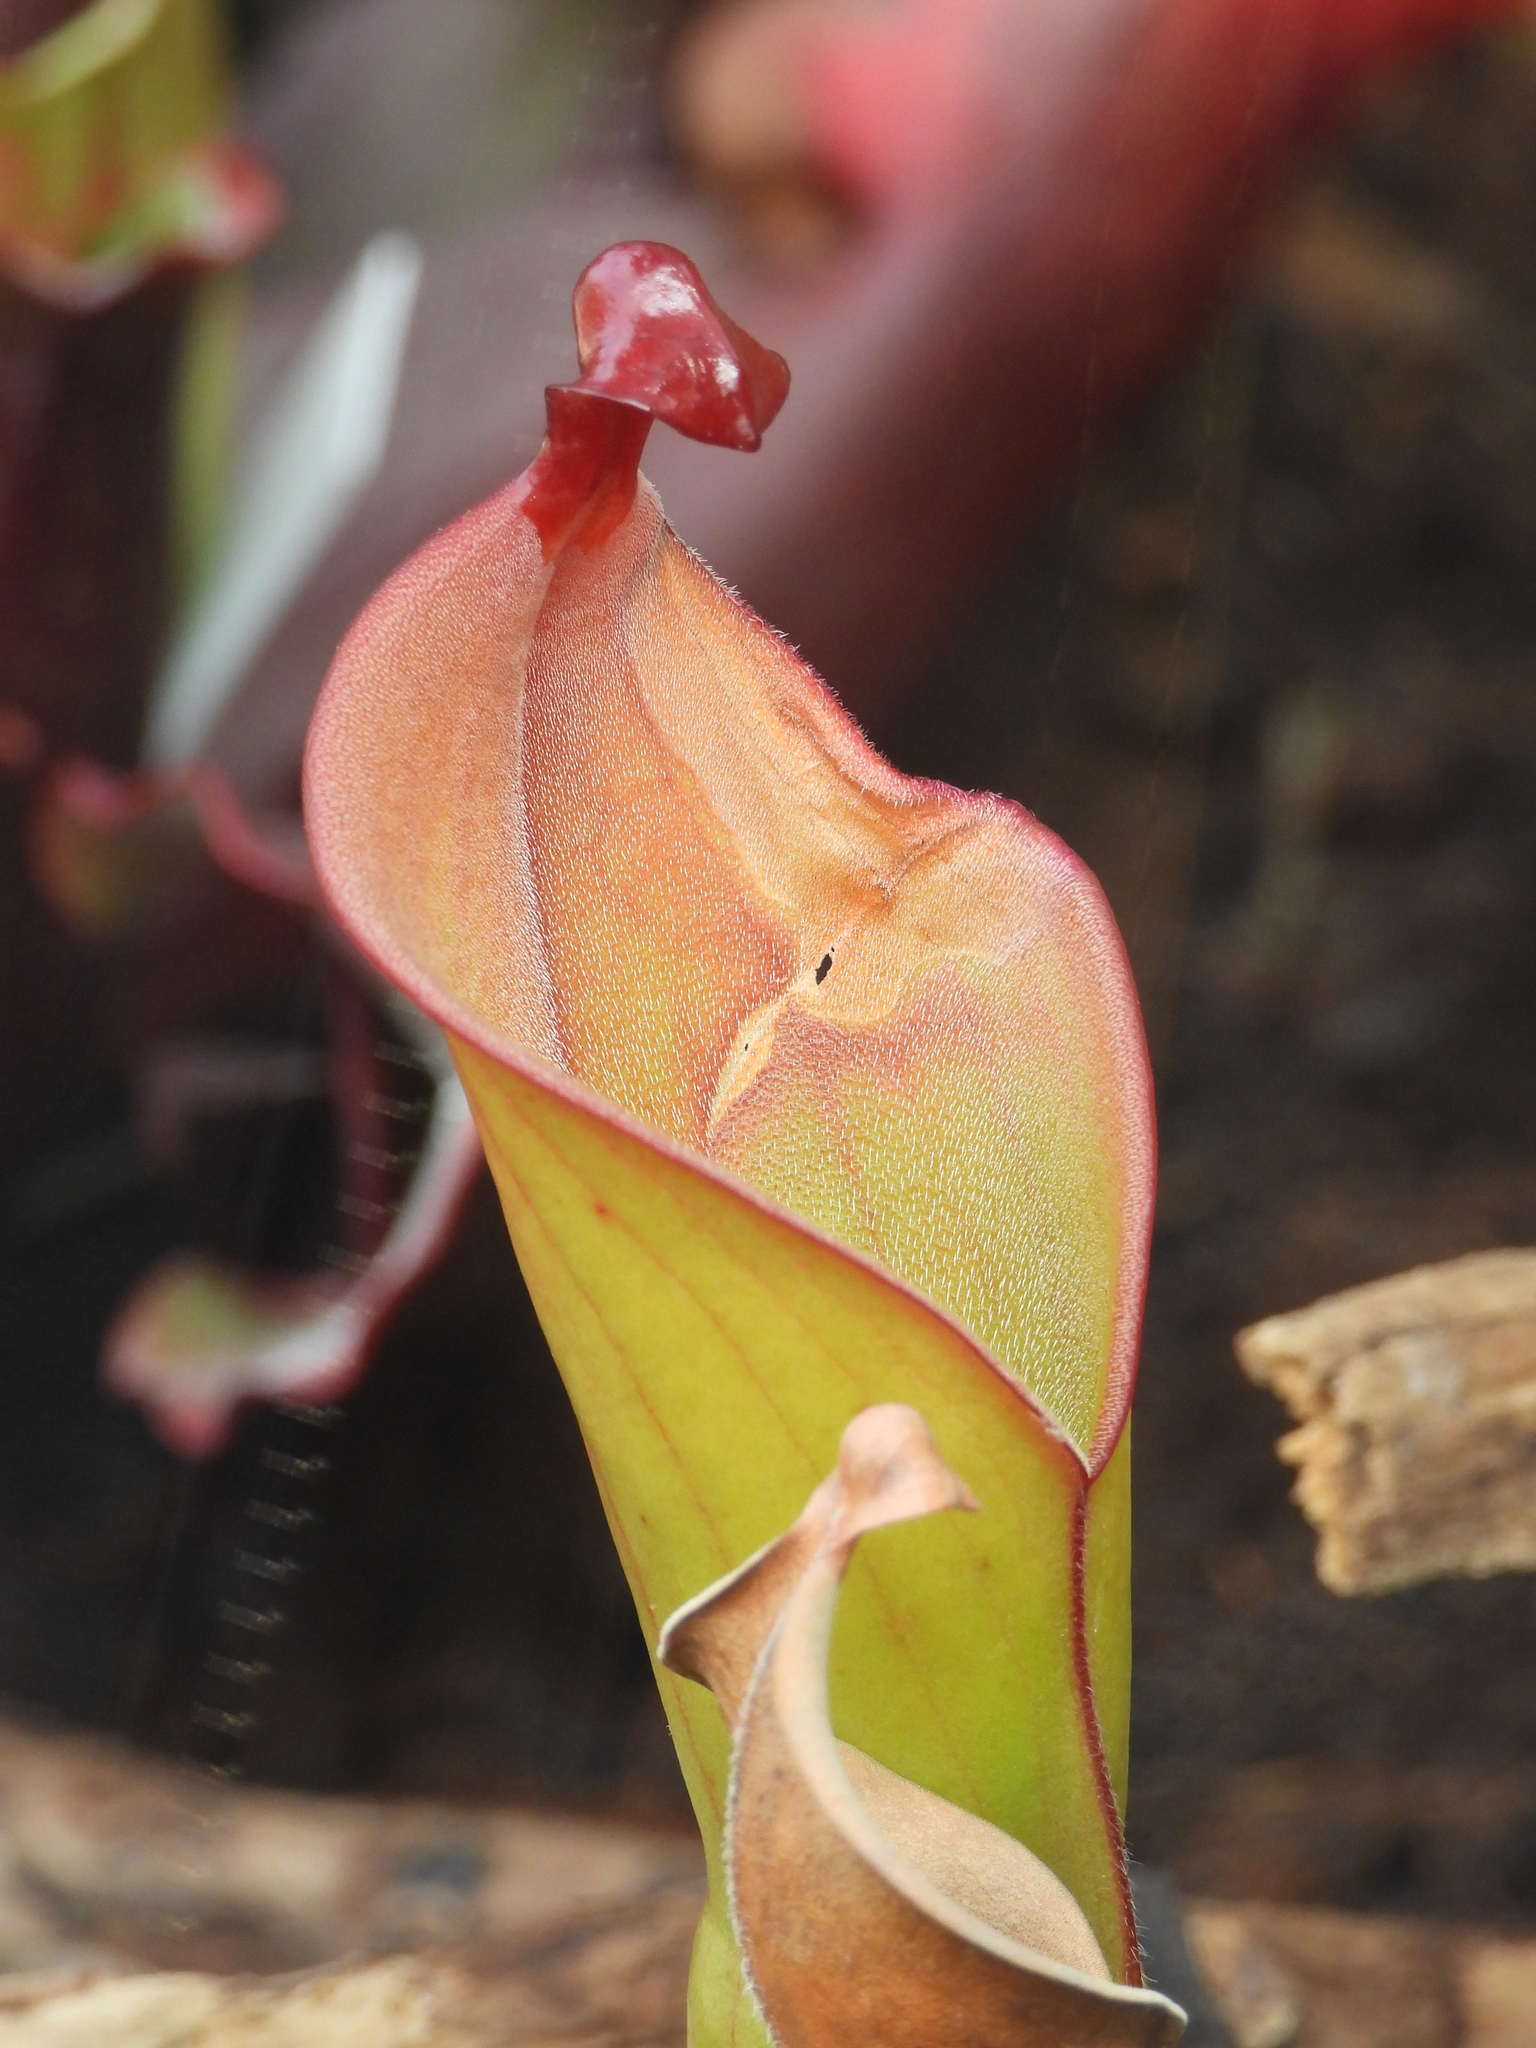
869, 1910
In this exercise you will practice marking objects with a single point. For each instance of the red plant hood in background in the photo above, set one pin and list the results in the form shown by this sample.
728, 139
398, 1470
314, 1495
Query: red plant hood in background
1055, 193
1048, 201
903, 103
1356, 37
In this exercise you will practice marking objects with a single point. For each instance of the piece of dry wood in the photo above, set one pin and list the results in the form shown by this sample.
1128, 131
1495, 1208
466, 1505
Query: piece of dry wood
527, 1927
405, 2002
1310, 1977
536, 1929
1416, 1397
1285, 1977
1498, 1994
1358, 1980
425, 2001
1255, 1994
105, 1851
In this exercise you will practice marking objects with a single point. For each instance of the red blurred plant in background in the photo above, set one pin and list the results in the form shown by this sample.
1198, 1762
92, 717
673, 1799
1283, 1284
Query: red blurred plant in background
1049, 198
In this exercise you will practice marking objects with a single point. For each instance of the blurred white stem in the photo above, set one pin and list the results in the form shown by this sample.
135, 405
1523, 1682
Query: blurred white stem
318, 448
